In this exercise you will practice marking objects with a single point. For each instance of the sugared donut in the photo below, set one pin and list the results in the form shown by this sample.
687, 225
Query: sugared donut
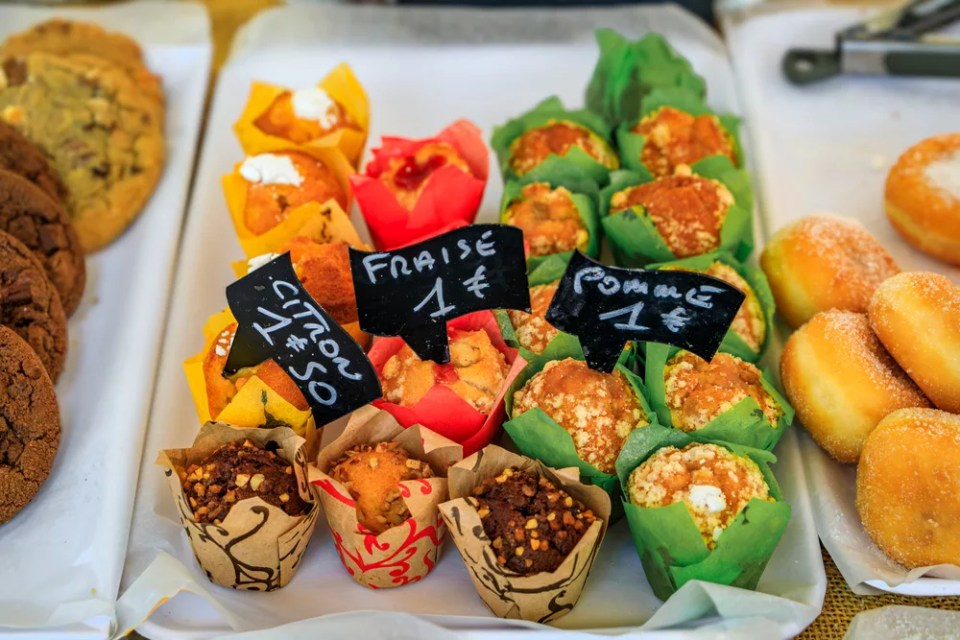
922, 196
916, 315
824, 262
842, 381
907, 487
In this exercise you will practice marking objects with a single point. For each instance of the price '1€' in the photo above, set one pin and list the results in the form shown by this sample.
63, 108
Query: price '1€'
413, 292
277, 319
607, 306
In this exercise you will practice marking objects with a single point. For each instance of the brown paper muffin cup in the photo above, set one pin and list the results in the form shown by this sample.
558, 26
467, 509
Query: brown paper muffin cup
258, 546
541, 597
407, 552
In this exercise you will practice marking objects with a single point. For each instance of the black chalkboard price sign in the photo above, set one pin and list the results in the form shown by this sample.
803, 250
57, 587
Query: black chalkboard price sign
413, 292
278, 319
607, 306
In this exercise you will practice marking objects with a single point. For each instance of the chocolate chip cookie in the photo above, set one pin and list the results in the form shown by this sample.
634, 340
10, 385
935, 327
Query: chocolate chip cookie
29, 215
68, 38
19, 155
29, 424
30, 305
101, 132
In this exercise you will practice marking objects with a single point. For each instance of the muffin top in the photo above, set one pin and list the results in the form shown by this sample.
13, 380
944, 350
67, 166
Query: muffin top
549, 219
476, 372
324, 270
533, 331
687, 210
676, 138
237, 471
372, 473
698, 391
407, 176
714, 483
598, 410
303, 115
558, 137
532, 524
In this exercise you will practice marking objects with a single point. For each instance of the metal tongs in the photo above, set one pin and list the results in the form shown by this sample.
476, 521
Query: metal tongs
893, 43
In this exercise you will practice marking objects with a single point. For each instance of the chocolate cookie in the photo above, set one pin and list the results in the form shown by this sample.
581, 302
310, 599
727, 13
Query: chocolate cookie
40, 223
30, 305
101, 132
29, 424
19, 155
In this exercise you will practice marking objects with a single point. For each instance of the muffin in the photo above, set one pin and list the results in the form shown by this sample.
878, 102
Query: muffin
712, 482
372, 473
675, 138
750, 323
598, 410
532, 330
558, 137
302, 115
697, 391
549, 218
532, 524
687, 210
279, 182
406, 176
237, 471
476, 372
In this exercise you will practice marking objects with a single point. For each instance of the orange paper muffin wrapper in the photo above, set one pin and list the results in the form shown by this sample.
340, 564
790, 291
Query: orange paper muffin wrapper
341, 85
407, 552
443, 411
321, 221
449, 195
255, 404
541, 597
258, 546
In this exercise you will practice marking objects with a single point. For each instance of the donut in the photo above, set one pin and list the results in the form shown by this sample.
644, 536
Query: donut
907, 487
916, 315
922, 196
823, 262
842, 382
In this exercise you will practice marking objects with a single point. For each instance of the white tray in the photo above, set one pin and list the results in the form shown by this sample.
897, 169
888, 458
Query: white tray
63, 555
828, 147
422, 69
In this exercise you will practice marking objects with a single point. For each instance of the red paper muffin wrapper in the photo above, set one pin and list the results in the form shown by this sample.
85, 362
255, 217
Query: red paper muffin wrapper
443, 411
449, 195
407, 552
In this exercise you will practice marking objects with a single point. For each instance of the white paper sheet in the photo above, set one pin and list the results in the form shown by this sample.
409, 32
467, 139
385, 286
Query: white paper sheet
422, 70
828, 147
62, 556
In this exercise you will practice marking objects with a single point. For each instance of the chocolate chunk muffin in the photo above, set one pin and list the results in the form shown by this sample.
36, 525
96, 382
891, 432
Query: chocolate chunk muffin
30, 305
235, 472
40, 223
532, 524
29, 424
19, 155
373, 473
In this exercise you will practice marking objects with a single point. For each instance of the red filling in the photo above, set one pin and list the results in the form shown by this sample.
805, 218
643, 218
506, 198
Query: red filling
412, 174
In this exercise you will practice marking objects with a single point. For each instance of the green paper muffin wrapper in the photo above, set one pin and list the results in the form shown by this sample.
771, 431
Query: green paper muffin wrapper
542, 270
258, 546
668, 541
634, 238
627, 71
537, 435
743, 424
540, 597
630, 144
733, 343
576, 160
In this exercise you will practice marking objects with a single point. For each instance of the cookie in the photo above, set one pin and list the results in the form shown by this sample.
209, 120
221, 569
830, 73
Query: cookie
29, 215
19, 155
100, 131
30, 305
67, 38
29, 424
